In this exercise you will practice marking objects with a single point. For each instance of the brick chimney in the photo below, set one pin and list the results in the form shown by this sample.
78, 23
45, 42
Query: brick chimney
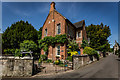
52, 6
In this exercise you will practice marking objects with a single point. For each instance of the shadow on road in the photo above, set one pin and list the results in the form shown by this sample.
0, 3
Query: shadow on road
118, 59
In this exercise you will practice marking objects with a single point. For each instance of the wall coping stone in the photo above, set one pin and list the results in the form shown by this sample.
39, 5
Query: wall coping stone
84, 55
13, 57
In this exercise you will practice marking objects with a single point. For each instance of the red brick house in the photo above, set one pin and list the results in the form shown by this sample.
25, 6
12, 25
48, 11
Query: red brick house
56, 24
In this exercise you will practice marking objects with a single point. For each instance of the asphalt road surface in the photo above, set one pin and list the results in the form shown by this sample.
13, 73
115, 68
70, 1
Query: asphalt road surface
105, 68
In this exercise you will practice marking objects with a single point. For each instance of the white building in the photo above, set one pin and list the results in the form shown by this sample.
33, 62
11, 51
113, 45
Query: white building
116, 46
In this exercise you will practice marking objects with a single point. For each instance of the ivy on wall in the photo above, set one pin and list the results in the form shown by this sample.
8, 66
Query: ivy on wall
51, 41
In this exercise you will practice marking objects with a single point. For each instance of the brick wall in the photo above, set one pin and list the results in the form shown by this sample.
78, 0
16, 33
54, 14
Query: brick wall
50, 24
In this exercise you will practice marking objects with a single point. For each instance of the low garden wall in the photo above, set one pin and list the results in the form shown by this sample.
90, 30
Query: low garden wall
79, 61
82, 60
17, 66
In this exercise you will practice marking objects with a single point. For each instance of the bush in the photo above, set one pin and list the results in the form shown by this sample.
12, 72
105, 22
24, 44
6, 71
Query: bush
69, 58
17, 52
73, 53
56, 62
62, 65
28, 45
91, 52
43, 57
88, 50
9, 51
49, 61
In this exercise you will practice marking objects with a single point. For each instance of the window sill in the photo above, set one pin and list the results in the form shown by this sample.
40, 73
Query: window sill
57, 56
78, 37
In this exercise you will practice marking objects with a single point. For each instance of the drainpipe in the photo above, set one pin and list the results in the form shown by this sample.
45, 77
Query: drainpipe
53, 32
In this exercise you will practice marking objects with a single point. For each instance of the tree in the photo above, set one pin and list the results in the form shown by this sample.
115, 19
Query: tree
40, 33
84, 43
98, 35
28, 45
72, 45
17, 33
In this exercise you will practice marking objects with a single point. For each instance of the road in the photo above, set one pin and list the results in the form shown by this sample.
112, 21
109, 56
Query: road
105, 68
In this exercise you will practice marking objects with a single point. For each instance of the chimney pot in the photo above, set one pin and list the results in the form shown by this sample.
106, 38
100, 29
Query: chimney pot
52, 6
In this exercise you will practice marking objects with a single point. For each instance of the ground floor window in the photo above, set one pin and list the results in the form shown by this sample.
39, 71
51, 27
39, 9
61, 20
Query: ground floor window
58, 50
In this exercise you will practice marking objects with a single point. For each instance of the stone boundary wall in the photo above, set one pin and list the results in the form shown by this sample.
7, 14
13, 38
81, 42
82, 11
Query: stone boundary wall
16, 66
81, 60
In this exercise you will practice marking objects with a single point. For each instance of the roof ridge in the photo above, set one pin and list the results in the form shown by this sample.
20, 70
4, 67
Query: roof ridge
60, 14
79, 21
79, 24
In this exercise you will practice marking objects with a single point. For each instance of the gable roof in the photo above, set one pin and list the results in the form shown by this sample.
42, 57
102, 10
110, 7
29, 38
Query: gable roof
116, 43
76, 25
79, 24
51, 12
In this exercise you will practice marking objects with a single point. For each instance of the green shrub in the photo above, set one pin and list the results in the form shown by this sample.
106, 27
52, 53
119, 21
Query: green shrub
28, 45
9, 51
17, 52
62, 65
56, 62
49, 61
40, 60
88, 50
91, 52
43, 57
69, 58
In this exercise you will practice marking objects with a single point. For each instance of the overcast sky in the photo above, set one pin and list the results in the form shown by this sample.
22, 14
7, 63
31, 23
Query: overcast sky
36, 13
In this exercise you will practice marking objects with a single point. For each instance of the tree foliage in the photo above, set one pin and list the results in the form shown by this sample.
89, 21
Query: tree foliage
28, 46
9, 51
84, 43
98, 35
40, 33
72, 45
17, 33
89, 51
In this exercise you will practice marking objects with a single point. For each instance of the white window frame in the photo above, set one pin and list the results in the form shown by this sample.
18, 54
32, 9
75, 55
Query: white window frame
57, 50
78, 34
60, 28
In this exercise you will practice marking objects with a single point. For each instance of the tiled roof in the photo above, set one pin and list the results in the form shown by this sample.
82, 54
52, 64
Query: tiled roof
79, 24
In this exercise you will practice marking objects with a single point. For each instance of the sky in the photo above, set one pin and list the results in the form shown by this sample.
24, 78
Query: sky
36, 13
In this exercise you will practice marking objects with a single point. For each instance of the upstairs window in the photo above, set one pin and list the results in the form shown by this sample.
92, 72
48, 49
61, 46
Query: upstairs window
79, 34
45, 32
58, 28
